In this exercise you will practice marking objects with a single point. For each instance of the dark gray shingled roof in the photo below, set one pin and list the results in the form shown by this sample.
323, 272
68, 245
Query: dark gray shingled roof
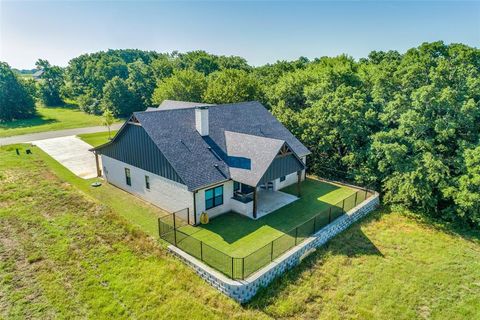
173, 104
202, 161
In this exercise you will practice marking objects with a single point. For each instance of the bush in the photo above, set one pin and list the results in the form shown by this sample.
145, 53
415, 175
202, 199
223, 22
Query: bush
89, 104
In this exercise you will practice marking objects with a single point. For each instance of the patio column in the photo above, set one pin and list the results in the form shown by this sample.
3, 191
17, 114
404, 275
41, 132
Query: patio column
99, 172
299, 180
255, 203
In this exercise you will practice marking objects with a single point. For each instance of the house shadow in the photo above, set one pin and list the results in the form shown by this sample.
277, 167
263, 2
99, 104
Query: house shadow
352, 243
233, 226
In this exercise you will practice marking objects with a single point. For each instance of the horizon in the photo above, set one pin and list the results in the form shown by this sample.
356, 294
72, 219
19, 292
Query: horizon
260, 32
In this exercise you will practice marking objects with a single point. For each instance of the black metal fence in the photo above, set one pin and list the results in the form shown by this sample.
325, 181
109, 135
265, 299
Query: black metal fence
176, 230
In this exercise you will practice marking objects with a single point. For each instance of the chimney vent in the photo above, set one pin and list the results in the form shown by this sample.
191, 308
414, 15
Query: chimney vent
201, 120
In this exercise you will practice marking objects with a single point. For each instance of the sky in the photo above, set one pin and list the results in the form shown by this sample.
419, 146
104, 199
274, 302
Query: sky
259, 31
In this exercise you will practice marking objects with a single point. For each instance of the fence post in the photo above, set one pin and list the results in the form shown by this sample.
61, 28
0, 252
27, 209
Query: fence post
243, 268
159, 229
174, 230
201, 250
232, 268
271, 252
343, 206
366, 193
356, 195
330, 215
188, 215
296, 234
314, 224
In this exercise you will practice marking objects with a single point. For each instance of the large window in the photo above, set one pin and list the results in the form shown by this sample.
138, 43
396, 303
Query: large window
213, 197
128, 179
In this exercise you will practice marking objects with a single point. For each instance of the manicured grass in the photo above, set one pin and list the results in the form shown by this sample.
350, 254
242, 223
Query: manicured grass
50, 118
97, 138
65, 255
239, 236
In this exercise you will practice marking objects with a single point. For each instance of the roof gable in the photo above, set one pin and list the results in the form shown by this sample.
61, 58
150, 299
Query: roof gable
250, 156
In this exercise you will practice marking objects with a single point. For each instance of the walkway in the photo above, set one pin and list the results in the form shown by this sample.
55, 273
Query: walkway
54, 134
72, 153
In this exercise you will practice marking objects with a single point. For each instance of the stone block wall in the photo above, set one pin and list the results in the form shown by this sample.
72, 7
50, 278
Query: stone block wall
244, 290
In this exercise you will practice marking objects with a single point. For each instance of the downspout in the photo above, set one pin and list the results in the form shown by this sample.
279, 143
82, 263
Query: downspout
299, 179
255, 203
194, 207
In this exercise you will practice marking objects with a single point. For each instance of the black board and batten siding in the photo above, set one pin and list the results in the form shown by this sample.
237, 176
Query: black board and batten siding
282, 166
134, 147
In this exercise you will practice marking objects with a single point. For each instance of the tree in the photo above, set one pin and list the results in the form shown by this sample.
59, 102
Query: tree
200, 61
118, 98
108, 120
16, 101
141, 82
51, 83
185, 85
231, 85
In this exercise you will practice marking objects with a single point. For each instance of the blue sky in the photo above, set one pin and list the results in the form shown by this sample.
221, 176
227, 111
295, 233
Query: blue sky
261, 32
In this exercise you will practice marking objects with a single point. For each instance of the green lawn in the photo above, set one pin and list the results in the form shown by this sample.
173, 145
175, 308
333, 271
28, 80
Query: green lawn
134, 210
50, 118
239, 236
64, 254
97, 138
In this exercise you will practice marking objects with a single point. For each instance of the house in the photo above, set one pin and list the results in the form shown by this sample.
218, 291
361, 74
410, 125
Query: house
207, 158
37, 75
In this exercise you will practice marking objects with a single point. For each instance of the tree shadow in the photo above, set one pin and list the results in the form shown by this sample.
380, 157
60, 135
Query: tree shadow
36, 120
70, 106
351, 243
454, 228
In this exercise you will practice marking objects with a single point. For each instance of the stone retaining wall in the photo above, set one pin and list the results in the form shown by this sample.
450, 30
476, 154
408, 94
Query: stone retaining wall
244, 290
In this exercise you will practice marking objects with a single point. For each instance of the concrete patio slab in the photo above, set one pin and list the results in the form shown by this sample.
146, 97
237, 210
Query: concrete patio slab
269, 201
72, 153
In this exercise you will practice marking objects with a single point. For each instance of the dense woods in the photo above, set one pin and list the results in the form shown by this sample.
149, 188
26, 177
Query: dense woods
407, 124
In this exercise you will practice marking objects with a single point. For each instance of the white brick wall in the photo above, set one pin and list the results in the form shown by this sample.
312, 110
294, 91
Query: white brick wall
289, 180
164, 193
227, 199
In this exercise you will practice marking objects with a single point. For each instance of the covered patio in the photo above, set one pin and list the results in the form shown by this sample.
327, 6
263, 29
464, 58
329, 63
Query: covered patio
256, 202
269, 201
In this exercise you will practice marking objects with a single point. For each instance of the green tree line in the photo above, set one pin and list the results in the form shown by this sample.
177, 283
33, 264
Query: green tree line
407, 124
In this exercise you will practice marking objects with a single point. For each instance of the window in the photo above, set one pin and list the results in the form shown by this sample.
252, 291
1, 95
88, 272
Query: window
213, 197
282, 178
127, 177
147, 182
236, 186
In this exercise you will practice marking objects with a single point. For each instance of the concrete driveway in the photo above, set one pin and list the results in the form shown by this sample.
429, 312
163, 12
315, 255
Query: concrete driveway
72, 153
